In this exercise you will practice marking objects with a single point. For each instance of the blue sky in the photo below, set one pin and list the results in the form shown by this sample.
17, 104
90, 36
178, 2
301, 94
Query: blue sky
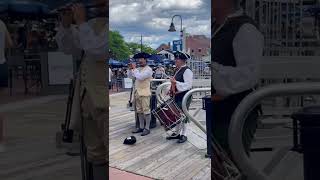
152, 19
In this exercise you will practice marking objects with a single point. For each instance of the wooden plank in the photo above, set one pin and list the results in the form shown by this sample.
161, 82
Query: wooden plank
194, 168
182, 167
136, 149
204, 174
156, 159
124, 130
170, 167
121, 116
146, 156
133, 151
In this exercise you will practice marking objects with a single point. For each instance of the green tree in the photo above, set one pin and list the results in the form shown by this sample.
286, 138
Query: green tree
149, 49
120, 50
118, 47
135, 48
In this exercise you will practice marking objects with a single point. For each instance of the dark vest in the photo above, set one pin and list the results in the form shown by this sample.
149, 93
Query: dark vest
222, 49
179, 77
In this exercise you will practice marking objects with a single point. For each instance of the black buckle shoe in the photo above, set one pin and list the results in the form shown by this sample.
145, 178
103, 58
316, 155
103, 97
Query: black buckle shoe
138, 130
182, 139
173, 136
145, 132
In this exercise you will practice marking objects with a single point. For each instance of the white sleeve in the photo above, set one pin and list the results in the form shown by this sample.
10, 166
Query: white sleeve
67, 39
187, 84
7, 37
142, 75
130, 74
91, 42
248, 51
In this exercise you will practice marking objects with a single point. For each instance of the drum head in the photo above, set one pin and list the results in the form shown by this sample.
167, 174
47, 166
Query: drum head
170, 116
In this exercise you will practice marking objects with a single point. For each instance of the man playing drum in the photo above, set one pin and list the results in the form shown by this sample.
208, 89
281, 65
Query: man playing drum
142, 92
181, 83
237, 52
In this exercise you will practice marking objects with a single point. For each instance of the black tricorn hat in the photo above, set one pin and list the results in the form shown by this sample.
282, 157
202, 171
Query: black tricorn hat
181, 55
141, 55
130, 140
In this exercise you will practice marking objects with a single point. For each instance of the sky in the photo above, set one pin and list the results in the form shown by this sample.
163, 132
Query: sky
152, 19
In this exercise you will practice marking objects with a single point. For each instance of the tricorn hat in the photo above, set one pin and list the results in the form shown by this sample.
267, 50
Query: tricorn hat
130, 140
181, 55
141, 55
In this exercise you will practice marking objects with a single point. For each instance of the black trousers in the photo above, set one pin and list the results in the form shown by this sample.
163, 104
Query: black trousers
222, 113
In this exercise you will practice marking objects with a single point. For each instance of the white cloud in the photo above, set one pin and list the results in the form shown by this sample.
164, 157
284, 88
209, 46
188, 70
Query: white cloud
159, 23
180, 4
152, 19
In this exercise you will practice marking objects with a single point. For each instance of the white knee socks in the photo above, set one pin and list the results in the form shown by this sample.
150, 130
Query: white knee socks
141, 120
147, 118
184, 129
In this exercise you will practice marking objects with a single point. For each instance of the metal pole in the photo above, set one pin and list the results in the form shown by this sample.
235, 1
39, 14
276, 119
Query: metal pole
184, 106
181, 30
159, 90
242, 111
141, 44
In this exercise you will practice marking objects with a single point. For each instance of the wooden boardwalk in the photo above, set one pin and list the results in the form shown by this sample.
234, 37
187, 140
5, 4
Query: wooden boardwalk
31, 153
152, 156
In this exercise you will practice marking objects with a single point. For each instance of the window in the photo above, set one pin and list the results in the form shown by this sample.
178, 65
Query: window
192, 50
199, 49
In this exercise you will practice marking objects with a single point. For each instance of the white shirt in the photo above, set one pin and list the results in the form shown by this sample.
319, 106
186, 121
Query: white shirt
136, 74
248, 50
82, 37
187, 77
68, 40
3, 35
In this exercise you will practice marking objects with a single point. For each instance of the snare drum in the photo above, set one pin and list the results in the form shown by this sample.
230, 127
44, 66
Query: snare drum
170, 115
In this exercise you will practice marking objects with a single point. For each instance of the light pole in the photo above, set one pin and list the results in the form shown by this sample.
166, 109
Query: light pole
141, 44
173, 29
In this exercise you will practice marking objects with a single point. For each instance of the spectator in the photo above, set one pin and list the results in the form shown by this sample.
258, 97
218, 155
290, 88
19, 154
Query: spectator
159, 73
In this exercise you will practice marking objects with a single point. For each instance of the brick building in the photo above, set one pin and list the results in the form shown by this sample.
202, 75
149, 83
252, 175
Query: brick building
163, 47
198, 45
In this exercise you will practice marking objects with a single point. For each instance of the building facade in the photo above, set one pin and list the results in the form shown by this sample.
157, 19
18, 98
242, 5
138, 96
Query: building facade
198, 46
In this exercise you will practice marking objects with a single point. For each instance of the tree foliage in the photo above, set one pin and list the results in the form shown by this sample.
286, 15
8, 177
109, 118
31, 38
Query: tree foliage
121, 50
118, 47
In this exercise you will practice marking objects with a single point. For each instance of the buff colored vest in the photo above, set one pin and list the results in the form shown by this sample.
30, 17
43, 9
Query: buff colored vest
143, 87
93, 74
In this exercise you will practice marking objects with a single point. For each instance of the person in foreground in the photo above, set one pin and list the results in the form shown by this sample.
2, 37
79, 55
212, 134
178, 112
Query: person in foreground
90, 97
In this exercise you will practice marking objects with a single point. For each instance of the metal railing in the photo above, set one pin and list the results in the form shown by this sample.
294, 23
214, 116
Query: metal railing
245, 107
199, 68
184, 101
154, 84
159, 90
184, 106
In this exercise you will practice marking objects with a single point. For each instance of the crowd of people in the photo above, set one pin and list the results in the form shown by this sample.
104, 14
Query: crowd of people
116, 75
